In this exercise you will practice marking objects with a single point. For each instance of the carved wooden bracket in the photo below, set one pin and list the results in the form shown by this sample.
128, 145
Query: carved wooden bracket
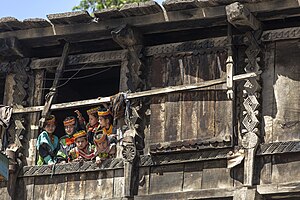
240, 17
11, 47
130, 39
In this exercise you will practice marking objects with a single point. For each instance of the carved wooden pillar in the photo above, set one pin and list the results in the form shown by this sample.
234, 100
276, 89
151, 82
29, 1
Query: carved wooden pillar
242, 18
250, 128
16, 95
131, 40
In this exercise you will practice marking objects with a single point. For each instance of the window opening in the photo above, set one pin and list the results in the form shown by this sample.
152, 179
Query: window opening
86, 84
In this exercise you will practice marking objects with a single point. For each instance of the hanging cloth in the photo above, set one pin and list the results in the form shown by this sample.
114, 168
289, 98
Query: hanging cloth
5, 115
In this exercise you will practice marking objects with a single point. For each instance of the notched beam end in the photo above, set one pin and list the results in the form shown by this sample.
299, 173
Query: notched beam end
241, 17
127, 36
11, 47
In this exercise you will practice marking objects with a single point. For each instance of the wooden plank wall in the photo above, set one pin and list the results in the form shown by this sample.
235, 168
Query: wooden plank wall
190, 114
278, 169
90, 185
185, 177
281, 92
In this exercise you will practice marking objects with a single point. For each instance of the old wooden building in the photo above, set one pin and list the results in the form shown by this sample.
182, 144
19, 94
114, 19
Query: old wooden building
210, 89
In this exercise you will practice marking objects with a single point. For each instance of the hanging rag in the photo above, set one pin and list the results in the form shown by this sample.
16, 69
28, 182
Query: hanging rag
5, 115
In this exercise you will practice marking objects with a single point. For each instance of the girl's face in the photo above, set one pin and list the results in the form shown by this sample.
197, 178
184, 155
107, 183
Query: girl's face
101, 146
70, 129
92, 120
81, 143
103, 122
50, 128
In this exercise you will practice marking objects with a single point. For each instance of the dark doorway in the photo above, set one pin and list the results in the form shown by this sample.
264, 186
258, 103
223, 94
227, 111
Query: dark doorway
86, 84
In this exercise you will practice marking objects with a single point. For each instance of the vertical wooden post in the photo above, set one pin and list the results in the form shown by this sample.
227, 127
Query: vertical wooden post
36, 95
241, 17
131, 40
50, 96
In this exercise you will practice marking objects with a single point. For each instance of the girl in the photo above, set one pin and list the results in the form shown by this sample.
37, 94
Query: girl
47, 143
67, 142
93, 124
83, 150
104, 149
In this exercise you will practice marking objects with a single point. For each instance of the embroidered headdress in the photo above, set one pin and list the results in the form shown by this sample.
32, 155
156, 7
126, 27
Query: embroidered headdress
79, 134
69, 121
92, 111
50, 119
100, 137
104, 112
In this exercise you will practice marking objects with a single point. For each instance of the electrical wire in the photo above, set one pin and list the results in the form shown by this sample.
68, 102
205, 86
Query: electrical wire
78, 78
68, 78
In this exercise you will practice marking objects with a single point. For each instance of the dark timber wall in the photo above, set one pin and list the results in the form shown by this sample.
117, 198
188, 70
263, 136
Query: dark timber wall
190, 136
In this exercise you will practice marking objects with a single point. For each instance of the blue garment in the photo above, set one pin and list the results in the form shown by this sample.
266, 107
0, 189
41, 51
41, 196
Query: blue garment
47, 149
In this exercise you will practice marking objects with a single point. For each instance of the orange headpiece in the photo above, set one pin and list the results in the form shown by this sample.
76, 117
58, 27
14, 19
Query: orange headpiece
103, 112
79, 134
69, 121
92, 111
100, 137
50, 119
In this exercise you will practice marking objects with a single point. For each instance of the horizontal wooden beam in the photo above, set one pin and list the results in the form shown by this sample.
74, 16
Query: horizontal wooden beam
200, 194
269, 189
60, 106
112, 57
88, 58
203, 17
153, 92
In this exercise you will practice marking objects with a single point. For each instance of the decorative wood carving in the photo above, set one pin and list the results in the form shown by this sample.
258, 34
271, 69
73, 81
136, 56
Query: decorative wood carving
19, 97
16, 94
75, 60
239, 16
131, 40
207, 46
11, 47
281, 34
128, 38
250, 122
70, 168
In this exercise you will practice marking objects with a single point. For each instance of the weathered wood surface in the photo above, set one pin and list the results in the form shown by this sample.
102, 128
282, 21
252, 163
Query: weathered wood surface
282, 93
268, 105
144, 180
92, 185
36, 23
162, 179
47, 36
36, 98
166, 90
12, 47
193, 175
240, 17
287, 189
190, 177
11, 24
216, 175
189, 115
52, 188
141, 8
81, 59
284, 168
70, 18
